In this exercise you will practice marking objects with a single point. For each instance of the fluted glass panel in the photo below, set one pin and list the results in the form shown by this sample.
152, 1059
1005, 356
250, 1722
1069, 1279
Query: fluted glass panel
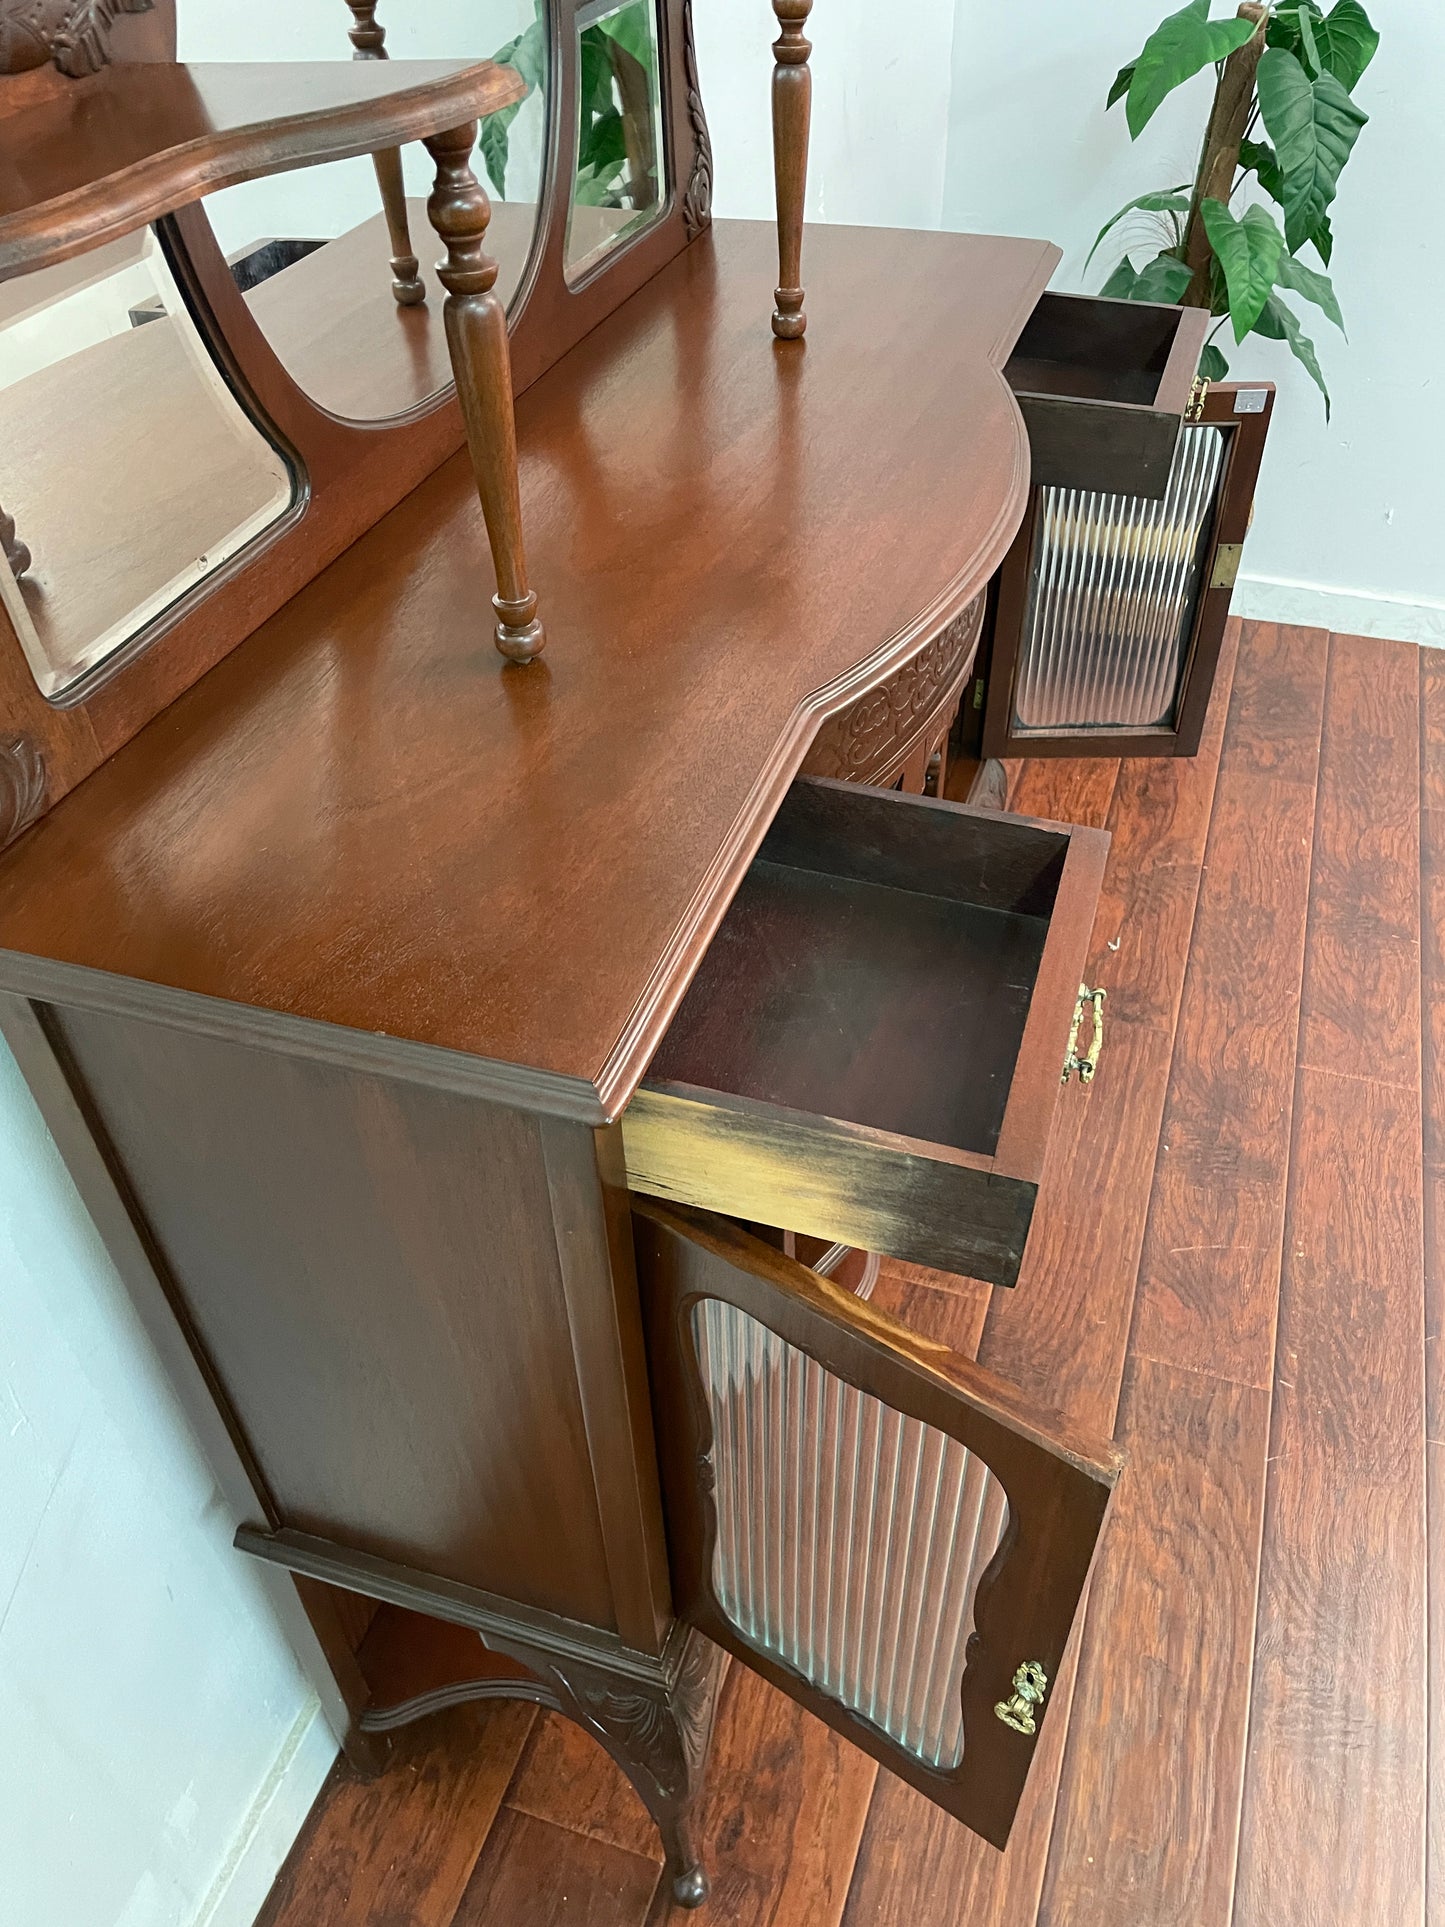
850, 1539
1113, 590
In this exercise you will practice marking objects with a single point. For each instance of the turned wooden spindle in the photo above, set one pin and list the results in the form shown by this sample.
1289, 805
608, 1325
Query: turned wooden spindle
368, 37
476, 325
15, 551
792, 117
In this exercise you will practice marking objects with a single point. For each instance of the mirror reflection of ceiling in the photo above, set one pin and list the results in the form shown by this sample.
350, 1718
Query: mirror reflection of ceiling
311, 249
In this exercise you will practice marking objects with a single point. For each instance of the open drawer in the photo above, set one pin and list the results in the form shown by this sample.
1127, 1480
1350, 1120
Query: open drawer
1103, 387
873, 1046
882, 1529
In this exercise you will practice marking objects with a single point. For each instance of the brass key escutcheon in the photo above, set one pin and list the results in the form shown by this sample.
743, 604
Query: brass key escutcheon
1031, 1682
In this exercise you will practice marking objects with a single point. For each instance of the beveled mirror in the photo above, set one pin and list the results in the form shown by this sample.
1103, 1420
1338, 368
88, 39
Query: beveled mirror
129, 471
337, 263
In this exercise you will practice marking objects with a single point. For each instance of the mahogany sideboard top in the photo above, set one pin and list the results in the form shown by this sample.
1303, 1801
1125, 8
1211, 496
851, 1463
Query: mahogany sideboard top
363, 819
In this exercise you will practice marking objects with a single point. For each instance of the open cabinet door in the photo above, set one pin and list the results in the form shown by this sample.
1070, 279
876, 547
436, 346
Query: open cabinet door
1109, 610
876, 1525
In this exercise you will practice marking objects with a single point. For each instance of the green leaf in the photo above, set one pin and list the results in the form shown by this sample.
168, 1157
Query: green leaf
1163, 279
1249, 251
1277, 323
1284, 25
1172, 200
1324, 239
1314, 125
1121, 85
1179, 47
1212, 364
1347, 41
1258, 158
631, 27
1309, 53
495, 143
1312, 285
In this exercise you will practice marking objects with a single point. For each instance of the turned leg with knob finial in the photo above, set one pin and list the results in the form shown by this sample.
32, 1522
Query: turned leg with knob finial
368, 37
792, 116
476, 325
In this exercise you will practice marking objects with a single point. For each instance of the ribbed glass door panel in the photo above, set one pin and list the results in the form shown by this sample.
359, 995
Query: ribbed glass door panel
850, 1539
1113, 589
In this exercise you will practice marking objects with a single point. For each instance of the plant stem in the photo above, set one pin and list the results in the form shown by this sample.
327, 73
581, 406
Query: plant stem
1219, 161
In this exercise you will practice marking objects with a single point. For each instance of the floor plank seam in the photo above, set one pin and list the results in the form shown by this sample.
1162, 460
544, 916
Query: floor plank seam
1271, 1389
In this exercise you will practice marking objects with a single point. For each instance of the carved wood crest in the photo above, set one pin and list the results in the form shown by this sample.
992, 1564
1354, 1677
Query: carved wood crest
858, 743
22, 785
697, 201
74, 35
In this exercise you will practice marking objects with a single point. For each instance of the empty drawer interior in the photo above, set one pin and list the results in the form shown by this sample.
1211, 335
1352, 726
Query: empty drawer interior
1092, 350
876, 966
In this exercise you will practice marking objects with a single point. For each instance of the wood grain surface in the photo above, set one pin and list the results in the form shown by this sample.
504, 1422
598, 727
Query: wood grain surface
1166, 1705
370, 746
402, 1847
1294, 1491
1432, 1066
1333, 1826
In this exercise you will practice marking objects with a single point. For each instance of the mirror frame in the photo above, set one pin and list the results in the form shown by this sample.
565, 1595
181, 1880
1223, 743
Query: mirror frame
350, 474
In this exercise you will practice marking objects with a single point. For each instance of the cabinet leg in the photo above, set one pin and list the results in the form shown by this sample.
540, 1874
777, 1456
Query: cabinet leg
792, 117
368, 37
476, 324
658, 1729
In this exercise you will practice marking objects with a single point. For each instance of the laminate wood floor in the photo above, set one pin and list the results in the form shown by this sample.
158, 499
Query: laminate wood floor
1238, 1271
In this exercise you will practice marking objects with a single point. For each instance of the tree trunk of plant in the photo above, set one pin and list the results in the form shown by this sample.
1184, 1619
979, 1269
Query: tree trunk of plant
1218, 164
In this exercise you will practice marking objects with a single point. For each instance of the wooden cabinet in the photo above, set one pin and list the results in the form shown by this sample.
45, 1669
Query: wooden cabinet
425, 1032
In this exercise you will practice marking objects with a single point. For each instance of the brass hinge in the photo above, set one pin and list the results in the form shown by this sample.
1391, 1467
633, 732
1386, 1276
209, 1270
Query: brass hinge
1031, 1682
1198, 395
1089, 1062
1226, 565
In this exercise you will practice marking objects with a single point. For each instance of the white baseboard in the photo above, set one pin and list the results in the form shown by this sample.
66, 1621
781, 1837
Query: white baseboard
239, 1890
1347, 612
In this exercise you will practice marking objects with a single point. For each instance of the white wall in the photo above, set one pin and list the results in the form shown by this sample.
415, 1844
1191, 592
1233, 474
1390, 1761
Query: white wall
881, 84
1010, 101
318, 202
160, 1746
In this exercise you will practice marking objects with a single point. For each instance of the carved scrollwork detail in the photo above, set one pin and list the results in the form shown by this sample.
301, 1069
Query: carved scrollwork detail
697, 201
662, 1730
74, 34
22, 785
858, 743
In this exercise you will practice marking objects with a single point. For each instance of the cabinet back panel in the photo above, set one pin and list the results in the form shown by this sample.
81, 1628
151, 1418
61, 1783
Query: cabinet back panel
359, 1261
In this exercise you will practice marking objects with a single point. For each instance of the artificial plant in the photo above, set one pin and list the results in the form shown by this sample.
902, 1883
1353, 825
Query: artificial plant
1283, 126
617, 149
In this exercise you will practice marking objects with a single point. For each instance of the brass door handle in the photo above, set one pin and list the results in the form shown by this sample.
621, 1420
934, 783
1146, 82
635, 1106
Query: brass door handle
1031, 1682
1089, 1062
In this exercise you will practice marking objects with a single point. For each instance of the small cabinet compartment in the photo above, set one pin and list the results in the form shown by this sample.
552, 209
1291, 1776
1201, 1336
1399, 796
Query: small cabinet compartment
880, 1528
1104, 386
872, 1048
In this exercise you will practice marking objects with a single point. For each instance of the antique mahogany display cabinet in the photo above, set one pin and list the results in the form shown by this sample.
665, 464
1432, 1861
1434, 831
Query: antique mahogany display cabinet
493, 1068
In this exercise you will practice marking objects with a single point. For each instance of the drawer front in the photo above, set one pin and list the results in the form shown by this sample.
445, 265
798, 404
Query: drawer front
878, 1527
872, 1050
871, 741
